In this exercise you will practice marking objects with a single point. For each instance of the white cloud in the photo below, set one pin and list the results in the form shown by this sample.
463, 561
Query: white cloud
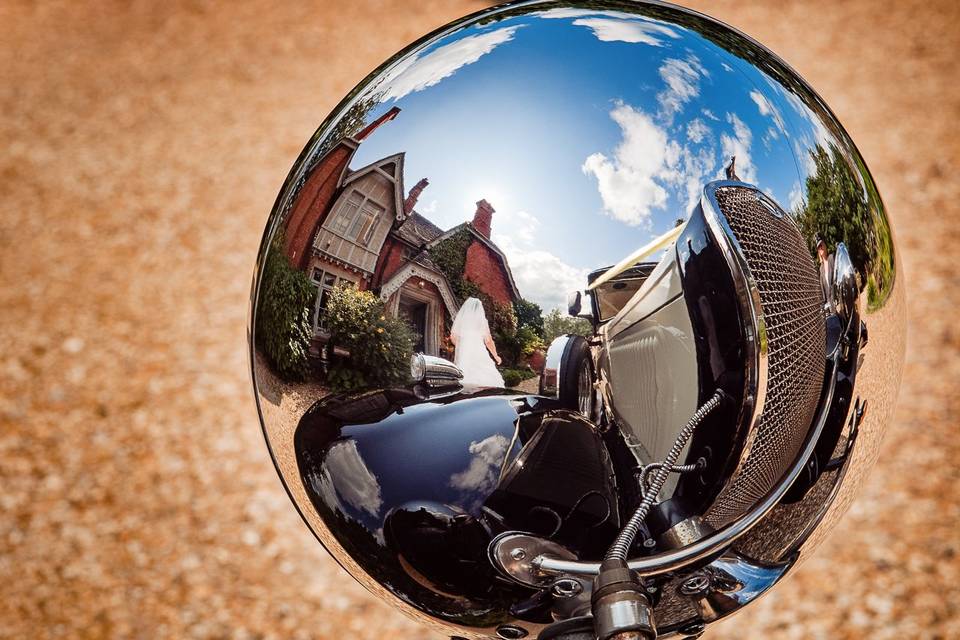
616, 26
355, 483
726, 66
429, 209
767, 108
796, 197
802, 152
581, 13
770, 135
682, 78
634, 31
739, 145
483, 472
695, 169
628, 182
541, 276
711, 115
821, 134
697, 131
418, 73
520, 225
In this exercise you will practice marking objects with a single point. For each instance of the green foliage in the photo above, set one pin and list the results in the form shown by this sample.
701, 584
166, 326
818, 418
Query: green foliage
282, 327
838, 207
451, 256
521, 343
513, 377
529, 314
380, 345
556, 323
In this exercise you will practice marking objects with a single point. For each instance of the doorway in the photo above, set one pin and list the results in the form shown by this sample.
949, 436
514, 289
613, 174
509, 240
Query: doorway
414, 312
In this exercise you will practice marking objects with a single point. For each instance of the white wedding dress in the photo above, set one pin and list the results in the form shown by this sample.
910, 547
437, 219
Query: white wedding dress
469, 330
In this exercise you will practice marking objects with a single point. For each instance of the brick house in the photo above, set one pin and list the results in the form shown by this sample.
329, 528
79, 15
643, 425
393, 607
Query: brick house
356, 226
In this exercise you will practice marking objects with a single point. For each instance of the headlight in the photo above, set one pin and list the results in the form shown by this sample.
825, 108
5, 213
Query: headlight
418, 368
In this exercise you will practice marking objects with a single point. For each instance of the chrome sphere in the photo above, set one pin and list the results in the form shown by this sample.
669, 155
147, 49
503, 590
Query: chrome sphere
576, 316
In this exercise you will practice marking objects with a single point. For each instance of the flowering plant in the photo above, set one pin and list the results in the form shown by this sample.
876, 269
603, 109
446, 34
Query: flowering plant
380, 345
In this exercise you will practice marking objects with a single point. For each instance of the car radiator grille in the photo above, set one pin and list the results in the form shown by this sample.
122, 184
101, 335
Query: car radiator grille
792, 305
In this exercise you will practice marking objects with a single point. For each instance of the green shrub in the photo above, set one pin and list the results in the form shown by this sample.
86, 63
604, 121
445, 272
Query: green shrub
521, 343
513, 377
380, 345
282, 327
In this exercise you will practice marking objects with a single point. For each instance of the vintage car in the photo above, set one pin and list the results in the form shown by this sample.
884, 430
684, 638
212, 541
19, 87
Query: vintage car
717, 419
505, 468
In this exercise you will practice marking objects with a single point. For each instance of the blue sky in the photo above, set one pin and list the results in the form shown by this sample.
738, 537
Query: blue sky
589, 132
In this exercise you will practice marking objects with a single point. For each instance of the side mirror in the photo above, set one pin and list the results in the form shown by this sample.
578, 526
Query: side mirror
574, 303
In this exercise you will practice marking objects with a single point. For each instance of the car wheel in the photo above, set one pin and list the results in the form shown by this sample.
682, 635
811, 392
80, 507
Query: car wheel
576, 378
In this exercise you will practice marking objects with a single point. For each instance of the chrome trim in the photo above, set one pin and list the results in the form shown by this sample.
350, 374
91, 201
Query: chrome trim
550, 380
436, 371
585, 391
755, 387
725, 536
512, 553
845, 291
733, 581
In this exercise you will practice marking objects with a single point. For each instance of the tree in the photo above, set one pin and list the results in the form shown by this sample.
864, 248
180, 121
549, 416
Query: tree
836, 206
529, 314
842, 206
557, 323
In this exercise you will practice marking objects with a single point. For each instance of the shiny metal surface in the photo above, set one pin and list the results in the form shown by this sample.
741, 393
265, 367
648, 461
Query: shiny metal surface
513, 553
844, 292
550, 378
513, 157
624, 617
434, 371
729, 583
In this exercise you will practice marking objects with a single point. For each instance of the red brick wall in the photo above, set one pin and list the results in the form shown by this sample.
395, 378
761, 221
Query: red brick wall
484, 268
390, 261
313, 203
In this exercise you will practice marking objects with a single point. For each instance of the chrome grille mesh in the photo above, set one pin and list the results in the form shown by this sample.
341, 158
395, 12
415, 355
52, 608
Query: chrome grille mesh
792, 303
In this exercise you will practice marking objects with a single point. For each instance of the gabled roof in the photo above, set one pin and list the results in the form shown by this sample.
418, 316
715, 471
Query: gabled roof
396, 175
414, 270
490, 245
417, 230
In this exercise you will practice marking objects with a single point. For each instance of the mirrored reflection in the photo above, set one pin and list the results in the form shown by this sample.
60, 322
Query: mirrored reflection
556, 267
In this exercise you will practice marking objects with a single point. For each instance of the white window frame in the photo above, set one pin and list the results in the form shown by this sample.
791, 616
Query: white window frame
318, 281
336, 225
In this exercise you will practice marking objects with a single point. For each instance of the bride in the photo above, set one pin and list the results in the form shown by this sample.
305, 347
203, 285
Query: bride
473, 346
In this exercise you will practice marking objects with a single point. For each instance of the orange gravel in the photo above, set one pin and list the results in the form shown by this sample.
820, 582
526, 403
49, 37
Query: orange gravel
141, 148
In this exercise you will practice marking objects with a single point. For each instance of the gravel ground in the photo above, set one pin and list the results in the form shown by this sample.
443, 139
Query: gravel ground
142, 147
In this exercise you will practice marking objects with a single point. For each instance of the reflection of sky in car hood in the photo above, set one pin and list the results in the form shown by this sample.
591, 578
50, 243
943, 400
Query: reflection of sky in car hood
450, 455
588, 131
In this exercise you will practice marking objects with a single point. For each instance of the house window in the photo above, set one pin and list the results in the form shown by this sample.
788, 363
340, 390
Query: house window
325, 282
357, 218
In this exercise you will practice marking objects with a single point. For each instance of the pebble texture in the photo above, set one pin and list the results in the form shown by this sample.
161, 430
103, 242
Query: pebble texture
141, 147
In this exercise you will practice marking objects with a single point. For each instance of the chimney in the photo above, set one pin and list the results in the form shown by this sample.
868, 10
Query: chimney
483, 217
411, 200
370, 128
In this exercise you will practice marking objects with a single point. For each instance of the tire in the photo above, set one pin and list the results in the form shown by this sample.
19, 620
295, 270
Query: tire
576, 378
